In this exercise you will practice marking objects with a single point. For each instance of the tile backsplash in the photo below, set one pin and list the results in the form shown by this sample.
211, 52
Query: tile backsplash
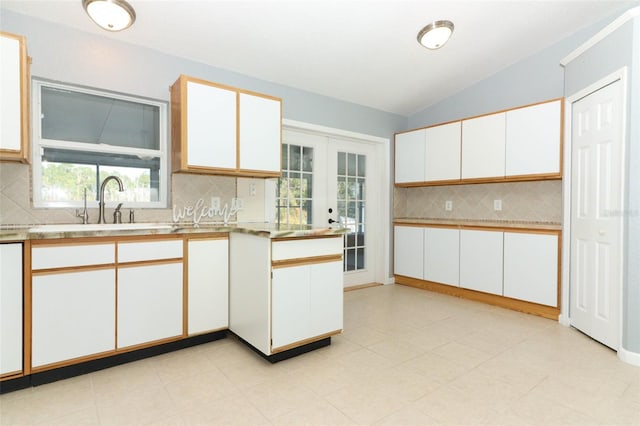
539, 201
16, 205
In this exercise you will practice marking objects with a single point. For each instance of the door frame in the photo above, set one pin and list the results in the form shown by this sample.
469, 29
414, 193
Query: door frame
381, 145
565, 314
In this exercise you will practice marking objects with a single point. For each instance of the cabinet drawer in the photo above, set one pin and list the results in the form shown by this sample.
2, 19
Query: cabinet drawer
63, 256
301, 248
149, 250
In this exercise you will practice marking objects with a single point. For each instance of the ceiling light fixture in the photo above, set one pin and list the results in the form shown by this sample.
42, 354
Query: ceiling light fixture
436, 34
112, 15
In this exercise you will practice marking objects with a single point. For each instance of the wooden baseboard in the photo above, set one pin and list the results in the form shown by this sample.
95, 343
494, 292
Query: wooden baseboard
544, 311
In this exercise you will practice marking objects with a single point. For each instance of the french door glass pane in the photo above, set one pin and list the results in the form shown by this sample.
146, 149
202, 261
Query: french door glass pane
294, 189
351, 194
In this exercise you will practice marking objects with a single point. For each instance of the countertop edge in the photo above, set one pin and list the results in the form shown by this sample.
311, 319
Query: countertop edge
476, 223
17, 234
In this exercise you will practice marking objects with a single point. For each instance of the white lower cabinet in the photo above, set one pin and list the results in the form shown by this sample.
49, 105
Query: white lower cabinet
73, 315
408, 248
149, 303
10, 308
442, 255
531, 267
306, 302
481, 260
208, 285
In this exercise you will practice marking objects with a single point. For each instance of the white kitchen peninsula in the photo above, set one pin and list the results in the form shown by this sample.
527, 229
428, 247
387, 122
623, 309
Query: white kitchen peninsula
285, 291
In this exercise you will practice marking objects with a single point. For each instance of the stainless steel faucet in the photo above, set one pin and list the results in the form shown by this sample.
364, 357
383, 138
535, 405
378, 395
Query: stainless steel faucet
101, 200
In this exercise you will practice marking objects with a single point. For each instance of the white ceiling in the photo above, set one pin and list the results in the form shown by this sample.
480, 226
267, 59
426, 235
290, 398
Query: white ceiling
361, 51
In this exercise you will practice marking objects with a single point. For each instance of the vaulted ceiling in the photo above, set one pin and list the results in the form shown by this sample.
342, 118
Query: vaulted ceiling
361, 51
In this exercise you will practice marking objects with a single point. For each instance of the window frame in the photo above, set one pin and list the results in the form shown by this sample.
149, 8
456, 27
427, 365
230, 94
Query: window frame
38, 143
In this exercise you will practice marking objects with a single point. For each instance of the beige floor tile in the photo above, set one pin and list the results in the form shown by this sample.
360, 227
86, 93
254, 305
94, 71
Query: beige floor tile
280, 396
449, 405
226, 411
318, 412
194, 390
84, 417
406, 357
462, 354
365, 405
547, 410
436, 368
396, 350
364, 335
135, 408
408, 416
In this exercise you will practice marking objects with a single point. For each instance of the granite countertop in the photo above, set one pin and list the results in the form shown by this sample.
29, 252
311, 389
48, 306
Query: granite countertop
506, 224
53, 231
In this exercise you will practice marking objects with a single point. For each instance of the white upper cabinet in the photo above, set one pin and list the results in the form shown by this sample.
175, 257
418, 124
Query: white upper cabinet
410, 156
211, 126
443, 152
533, 139
483, 146
14, 108
217, 129
260, 133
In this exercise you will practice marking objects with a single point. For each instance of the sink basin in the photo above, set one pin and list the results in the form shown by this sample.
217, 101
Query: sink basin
77, 227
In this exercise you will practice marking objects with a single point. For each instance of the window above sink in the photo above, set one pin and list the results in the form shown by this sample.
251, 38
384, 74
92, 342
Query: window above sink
81, 136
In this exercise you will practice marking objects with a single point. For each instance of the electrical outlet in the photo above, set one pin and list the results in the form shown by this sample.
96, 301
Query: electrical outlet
497, 205
252, 189
448, 205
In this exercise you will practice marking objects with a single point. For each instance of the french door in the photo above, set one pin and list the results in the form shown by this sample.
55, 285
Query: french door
327, 182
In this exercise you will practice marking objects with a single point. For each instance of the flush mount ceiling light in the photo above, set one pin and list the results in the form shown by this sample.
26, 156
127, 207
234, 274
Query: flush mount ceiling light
112, 15
436, 34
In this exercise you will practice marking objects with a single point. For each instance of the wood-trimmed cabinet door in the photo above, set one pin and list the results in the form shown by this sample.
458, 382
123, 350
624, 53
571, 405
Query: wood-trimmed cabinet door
442, 256
410, 151
73, 315
10, 309
260, 138
481, 260
408, 248
14, 98
483, 147
149, 303
150, 291
533, 145
306, 302
442, 155
531, 267
208, 285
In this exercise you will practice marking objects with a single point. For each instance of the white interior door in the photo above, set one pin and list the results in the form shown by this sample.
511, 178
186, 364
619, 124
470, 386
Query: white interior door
328, 181
596, 213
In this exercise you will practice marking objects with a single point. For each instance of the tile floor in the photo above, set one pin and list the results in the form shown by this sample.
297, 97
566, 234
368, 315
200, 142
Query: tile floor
407, 357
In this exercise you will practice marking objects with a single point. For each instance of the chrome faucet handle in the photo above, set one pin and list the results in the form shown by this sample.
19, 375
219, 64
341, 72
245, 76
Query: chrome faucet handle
117, 214
84, 214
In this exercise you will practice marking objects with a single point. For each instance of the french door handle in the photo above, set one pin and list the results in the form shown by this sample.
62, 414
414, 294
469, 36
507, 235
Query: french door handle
332, 221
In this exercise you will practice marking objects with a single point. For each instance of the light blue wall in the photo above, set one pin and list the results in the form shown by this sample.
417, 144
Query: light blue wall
620, 49
71, 56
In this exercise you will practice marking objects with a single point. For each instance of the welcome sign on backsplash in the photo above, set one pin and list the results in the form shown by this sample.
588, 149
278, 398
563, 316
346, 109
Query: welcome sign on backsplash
213, 211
